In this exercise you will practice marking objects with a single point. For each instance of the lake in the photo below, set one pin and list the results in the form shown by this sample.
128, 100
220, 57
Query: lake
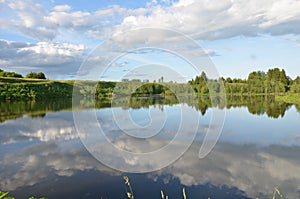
43, 154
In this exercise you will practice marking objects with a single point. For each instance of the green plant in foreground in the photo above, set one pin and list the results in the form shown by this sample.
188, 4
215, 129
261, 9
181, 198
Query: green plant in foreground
129, 192
131, 196
3, 195
276, 192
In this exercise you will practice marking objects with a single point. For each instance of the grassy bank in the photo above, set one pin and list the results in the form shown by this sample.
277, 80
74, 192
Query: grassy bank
292, 98
22, 88
36, 89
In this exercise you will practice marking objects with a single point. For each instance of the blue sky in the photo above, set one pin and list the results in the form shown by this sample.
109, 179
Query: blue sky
237, 36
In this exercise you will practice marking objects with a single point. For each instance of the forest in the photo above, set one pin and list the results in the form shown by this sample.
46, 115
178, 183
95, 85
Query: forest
274, 81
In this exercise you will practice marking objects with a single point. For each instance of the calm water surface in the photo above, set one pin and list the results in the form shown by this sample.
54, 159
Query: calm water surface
259, 148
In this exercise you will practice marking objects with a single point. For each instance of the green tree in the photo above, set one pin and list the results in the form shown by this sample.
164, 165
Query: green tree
256, 82
200, 84
9, 74
33, 75
295, 85
228, 80
41, 75
276, 81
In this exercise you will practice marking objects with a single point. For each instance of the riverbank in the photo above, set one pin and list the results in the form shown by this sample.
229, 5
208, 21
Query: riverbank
292, 98
14, 89
31, 89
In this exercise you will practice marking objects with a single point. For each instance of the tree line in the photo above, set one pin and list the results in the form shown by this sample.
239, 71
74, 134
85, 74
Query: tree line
30, 75
274, 81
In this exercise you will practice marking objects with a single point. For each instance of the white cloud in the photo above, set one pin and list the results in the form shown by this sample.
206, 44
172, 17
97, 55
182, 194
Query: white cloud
215, 19
61, 8
200, 19
22, 50
33, 20
281, 12
28, 20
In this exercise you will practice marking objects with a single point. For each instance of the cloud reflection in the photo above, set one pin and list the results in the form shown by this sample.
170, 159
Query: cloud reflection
37, 162
253, 170
249, 168
52, 148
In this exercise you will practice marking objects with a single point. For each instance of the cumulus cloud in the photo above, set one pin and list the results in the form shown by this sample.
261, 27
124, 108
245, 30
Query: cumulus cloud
33, 20
47, 54
215, 19
199, 19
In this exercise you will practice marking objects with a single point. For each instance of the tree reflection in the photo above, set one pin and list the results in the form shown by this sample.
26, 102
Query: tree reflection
256, 104
16, 109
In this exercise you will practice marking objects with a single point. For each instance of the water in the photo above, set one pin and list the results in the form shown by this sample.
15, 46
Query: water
41, 153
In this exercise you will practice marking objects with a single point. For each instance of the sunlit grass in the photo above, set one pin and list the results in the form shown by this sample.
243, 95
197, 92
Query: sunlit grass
292, 98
